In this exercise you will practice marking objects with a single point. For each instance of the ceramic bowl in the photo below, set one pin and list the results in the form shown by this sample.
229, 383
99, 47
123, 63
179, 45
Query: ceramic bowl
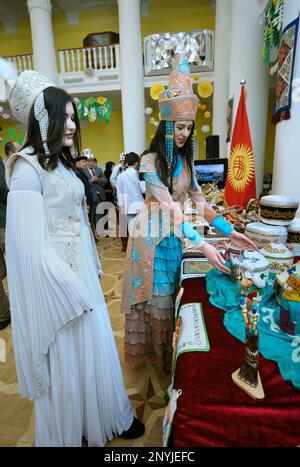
233, 251
294, 236
279, 256
262, 234
251, 264
277, 209
294, 231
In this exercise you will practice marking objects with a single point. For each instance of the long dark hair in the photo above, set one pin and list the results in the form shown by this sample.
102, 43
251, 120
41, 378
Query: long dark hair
56, 100
108, 168
158, 146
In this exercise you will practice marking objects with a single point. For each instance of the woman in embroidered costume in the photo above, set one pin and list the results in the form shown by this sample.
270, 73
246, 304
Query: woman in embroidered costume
65, 352
155, 245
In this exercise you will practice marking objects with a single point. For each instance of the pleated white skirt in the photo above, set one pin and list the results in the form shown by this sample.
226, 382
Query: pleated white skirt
87, 396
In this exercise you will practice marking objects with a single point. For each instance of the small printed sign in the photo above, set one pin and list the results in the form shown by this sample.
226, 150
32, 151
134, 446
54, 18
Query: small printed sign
193, 335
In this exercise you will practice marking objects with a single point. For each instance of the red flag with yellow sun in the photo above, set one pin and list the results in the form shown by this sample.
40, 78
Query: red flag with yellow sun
240, 183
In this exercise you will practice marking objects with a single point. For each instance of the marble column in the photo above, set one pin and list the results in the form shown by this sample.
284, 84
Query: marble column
132, 76
44, 51
286, 168
246, 62
221, 71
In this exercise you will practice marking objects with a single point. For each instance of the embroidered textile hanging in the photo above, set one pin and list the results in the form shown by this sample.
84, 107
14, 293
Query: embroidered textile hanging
286, 60
272, 28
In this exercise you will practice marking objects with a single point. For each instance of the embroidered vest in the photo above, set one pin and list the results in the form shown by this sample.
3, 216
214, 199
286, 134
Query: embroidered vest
62, 208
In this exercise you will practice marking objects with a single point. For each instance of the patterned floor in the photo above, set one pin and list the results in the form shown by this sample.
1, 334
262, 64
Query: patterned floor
145, 386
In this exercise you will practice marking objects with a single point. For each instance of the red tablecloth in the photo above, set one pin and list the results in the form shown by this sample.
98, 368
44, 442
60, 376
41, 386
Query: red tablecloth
212, 410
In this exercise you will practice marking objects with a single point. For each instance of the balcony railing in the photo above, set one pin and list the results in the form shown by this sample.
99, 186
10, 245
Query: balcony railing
89, 58
21, 62
72, 61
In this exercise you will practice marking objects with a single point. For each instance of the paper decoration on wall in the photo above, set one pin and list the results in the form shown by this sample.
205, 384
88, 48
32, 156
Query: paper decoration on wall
5, 116
207, 114
273, 18
286, 60
148, 111
21, 139
205, 89
155, 91
11, 132
205, 129
94, 107
229, 119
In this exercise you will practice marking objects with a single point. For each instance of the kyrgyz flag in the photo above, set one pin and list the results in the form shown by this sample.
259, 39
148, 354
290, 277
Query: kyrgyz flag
240, 183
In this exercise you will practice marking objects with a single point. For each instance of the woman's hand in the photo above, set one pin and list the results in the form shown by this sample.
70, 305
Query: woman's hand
242, 241
213, 256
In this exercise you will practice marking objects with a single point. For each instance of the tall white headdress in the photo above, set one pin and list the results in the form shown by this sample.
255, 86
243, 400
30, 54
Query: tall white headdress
24, 91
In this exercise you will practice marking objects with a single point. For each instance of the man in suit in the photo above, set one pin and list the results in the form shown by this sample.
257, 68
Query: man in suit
80, 166
97, 181
79, 169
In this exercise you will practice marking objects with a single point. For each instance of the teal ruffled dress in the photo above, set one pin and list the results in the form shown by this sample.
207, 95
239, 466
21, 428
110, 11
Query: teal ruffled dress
167, 258
167, 261
149, 329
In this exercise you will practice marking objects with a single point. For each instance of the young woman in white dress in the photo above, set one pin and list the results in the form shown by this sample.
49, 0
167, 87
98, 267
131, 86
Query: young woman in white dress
65, 353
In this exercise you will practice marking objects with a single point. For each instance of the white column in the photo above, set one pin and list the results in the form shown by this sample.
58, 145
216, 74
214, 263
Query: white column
44, 52
246, 62
221, 71
132, 76
286, 169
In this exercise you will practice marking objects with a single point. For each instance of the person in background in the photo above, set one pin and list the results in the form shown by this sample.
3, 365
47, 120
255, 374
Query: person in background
79, 167
97, 181
117, 170
66, 357
109, 192
129, 193
154, 252
10, 148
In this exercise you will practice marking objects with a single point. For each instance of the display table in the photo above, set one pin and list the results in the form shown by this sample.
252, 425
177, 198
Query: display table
212, 410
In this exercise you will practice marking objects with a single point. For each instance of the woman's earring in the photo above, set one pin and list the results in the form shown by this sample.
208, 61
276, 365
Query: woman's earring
169, 143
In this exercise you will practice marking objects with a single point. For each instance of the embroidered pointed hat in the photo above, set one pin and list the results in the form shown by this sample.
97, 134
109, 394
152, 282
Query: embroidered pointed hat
179, 102
23, 92
29, 85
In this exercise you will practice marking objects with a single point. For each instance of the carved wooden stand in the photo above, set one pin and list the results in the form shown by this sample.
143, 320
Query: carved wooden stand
247, 376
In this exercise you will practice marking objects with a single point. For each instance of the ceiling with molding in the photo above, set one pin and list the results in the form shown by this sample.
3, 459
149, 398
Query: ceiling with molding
14, 9
11, 11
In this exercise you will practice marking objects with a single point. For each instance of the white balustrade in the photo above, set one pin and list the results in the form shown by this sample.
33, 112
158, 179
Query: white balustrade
89, 58
81, 69
21, 62
76, 60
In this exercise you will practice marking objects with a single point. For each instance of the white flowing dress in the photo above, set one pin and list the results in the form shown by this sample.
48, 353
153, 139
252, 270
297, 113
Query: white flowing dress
86, 394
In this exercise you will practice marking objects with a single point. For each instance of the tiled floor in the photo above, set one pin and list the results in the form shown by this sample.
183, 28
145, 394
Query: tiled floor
145, 386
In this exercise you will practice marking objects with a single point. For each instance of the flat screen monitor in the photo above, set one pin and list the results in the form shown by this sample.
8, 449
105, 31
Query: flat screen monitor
212, 170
